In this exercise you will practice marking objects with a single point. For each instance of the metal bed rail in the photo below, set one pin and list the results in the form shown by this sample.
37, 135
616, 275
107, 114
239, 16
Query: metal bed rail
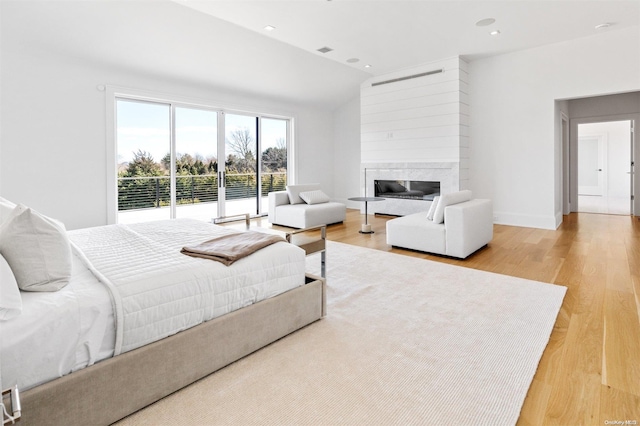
309, 245
15, 412
223, 219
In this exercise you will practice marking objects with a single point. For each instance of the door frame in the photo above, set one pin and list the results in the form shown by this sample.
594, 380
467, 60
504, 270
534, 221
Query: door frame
566, 168
573, 157
112, 93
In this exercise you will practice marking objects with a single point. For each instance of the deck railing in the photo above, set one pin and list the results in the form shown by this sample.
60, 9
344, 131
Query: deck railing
155, 191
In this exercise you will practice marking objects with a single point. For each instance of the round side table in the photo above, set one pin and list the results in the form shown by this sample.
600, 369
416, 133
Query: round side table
366, 228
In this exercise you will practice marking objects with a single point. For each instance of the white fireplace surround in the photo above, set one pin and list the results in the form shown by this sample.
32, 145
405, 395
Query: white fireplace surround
447, 173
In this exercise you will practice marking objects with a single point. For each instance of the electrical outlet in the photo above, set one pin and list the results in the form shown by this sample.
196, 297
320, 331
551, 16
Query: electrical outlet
495, 218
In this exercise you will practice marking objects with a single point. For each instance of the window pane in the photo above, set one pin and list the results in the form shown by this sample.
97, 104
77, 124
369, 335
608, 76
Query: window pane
196, 163
143, 146
274, 158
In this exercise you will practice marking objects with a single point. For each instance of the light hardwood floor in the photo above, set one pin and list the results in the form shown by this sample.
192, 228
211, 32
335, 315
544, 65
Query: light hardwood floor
589, 373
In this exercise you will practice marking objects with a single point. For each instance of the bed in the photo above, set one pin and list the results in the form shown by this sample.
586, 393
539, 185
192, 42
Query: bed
139, 320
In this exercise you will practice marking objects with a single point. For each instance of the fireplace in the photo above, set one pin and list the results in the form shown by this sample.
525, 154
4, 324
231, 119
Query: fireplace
407, 189
430, 178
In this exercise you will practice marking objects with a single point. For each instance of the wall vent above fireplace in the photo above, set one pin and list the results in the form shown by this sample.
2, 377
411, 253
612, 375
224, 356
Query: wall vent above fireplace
409, 77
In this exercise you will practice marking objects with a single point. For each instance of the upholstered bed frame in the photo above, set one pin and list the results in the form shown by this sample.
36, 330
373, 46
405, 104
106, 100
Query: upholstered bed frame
112, 389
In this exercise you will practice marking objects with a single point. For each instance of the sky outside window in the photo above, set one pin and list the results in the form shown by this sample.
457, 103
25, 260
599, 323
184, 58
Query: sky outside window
145, 126
197, 133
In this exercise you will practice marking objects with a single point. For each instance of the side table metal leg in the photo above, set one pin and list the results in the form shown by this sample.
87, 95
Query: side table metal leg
366, 214
366, 228
323, 264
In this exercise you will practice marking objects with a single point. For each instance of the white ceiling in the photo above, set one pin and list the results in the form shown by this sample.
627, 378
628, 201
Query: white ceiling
230, 51
394, 34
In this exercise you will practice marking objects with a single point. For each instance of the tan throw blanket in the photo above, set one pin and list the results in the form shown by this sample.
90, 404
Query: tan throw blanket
229, 248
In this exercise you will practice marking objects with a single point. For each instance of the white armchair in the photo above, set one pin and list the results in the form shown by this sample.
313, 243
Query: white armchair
287, 208
467, 227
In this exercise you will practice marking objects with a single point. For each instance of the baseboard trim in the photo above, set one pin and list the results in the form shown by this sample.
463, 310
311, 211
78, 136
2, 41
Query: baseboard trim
525, 220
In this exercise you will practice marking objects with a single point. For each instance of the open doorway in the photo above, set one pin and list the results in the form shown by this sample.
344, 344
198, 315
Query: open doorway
604, 167
621, 107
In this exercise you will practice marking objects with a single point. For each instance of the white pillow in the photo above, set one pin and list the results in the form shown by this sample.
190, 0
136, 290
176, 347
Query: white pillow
37, 249
10, 299
314, 197
6, 207
432, 209
293, 191
448, 200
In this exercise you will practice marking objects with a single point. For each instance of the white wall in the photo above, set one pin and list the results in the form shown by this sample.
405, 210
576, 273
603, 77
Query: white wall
346, 153
514, 139
422, 119
53, 135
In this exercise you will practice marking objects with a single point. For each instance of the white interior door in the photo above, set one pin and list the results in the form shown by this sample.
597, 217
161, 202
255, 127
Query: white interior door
591, 164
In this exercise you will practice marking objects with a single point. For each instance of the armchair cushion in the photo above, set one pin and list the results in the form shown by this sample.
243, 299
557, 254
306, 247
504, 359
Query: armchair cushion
432, 209
293, 191
314, 197
415, 232
448, 200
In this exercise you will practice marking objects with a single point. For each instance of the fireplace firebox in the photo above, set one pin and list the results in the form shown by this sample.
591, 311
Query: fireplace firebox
407, 189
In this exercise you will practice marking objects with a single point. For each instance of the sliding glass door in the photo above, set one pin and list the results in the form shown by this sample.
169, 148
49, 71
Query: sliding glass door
143, 135
250, 177
191, 162
241, 165
273, 160
196, 163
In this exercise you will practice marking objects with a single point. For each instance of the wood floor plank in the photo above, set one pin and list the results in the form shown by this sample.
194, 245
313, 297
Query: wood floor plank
621, 352
577, 400
619, 275
635, 280
618, 406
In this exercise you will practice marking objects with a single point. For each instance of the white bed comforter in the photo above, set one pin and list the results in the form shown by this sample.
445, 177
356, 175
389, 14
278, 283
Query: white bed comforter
157, 291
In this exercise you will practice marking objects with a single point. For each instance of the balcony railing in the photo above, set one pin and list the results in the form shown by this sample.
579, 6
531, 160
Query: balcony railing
155, 191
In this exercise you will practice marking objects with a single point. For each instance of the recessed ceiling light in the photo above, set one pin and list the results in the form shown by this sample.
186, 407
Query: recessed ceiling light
485, 22
603, 25
325, 49
495, 32
353, 60
269, 28
367, 66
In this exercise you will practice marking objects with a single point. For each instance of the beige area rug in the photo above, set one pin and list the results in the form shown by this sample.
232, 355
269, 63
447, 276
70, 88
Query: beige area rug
406, 341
